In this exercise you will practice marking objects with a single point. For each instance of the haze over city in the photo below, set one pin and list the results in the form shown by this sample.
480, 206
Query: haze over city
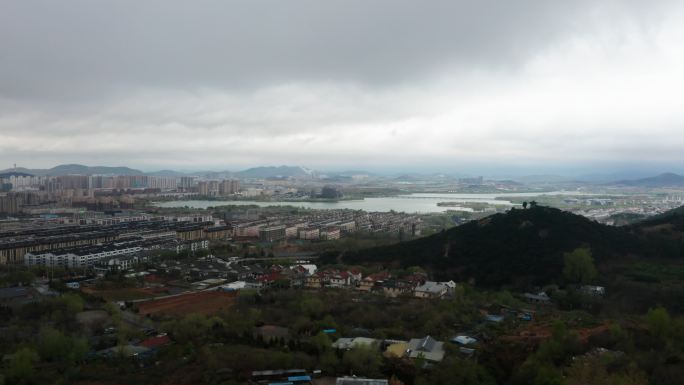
483, 87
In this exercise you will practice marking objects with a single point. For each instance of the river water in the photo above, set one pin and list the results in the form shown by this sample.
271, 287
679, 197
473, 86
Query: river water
411, 203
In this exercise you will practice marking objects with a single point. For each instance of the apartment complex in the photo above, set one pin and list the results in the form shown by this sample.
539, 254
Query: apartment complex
38, 243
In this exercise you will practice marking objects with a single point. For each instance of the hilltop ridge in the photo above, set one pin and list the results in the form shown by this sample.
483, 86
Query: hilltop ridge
667, 179
520, 247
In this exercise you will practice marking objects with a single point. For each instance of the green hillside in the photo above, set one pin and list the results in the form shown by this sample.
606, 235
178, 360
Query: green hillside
519, 248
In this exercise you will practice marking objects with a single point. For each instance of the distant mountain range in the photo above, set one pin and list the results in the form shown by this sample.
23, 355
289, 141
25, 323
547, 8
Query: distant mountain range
275, 172
541, 179
266, 172
663, 180
78, 169
169, 173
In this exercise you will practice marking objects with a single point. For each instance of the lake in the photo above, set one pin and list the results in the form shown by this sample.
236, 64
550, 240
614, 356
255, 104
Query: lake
411, 203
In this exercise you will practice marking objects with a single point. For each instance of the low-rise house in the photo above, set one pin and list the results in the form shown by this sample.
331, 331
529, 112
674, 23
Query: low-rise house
355, 275
526, 315
369, 282
297, 276
366, 284
360, 381
451, 286
121, 263
596, 291
427, 348
394, 288
299, 269
249, 272
466, 351
431, 290
314, 282
156, 342
272, 332
289, 376
233, 286
539, 298
396, 350
463, 340
415, 279
494, 318
310, 269
204, 284
253, 285
357, 342
124, 351
339, 279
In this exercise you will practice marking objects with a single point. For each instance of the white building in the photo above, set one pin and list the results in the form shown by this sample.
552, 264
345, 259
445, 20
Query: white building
84, 257
431, 290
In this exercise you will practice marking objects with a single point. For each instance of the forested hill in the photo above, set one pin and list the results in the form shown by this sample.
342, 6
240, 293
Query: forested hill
519, 248
673, 217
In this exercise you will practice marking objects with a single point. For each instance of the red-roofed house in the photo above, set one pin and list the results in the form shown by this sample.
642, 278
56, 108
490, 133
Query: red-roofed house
156, 342
369, 282
355, 275
314, 282
340, 279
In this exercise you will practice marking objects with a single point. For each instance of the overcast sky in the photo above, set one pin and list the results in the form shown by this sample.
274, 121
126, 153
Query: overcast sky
463, 86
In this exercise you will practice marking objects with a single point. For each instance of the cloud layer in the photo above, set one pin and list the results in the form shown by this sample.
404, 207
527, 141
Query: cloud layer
448, 85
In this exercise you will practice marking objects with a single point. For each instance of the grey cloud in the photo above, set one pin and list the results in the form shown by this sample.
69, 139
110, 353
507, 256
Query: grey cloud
384, 83
85, 48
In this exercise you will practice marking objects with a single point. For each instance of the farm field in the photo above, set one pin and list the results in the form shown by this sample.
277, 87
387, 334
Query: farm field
125, 294
206, 302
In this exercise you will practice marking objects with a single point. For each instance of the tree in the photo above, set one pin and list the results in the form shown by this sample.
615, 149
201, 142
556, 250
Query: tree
21, 367
73, 303
659, 322
329, 363
363, 361
525, 204
456, 371
595, 371
415, 270
312, 306
579, 266
52, 343
17, 278
193, 328
65, 350
321, 342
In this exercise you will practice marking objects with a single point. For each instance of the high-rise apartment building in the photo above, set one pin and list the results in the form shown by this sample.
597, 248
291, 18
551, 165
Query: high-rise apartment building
186, 182
228, 187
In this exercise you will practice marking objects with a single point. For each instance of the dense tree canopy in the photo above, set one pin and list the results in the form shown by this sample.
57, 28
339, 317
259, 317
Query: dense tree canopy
579, 266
